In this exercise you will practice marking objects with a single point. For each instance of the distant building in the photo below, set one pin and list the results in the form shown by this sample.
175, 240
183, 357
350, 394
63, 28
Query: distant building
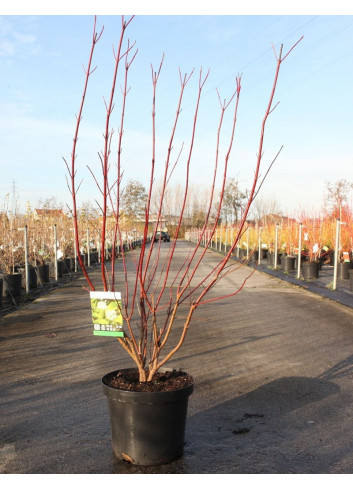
269, 219
48, 213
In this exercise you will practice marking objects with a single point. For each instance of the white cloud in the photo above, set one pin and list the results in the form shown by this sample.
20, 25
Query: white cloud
7, 48
16, 35
24, 38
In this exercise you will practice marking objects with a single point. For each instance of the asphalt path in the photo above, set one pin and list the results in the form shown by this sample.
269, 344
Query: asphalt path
273, 384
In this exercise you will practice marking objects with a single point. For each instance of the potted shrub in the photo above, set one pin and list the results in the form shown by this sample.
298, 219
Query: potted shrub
12, 282
311, 266
328, 239
40, 250
346, 241
312, 237
11, 255
140, 300
41, 262
268, 240
252, 241
32, 276
289, 235
344, 265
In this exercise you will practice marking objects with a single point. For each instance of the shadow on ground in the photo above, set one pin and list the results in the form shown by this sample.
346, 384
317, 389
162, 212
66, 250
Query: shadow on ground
262, 431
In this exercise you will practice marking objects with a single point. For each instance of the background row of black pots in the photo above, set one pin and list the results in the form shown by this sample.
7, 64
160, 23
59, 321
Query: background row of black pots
11, 284
309, 269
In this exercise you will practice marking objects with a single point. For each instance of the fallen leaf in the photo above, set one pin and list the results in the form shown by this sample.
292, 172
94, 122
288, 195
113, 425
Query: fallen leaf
127, 458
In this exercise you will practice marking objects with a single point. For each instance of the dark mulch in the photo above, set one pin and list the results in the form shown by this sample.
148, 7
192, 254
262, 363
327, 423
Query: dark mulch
161, 382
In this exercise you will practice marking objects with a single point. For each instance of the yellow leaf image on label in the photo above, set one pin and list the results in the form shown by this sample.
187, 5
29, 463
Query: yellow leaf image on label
106, 313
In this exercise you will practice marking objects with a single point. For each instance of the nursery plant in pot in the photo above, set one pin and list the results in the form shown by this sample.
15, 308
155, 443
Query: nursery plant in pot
350, 273
147, 298
12, 284
11, 255
40, 259
344, 266
311, 266
288, 262
288, 259
11, 276
310, 269
42, 267
32, 277
345, 245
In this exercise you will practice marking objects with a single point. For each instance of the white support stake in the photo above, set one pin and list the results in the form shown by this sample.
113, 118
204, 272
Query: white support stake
99, 252
299, 250
276, 248
247, 242
75, 251
334, 284
55, 253
88, 250
26, 259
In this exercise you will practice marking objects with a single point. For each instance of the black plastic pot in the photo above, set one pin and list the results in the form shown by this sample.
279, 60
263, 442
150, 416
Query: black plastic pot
271, 259
94, 257
148, 428
82, 259
43, 273
343, 269
254, 256
310, 269
67, 265
242, 253
303, 259
351, 280
32, 277
12, 284
287, 263
60, 269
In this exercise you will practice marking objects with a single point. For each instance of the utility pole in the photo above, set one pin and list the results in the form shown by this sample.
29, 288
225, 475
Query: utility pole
13, 202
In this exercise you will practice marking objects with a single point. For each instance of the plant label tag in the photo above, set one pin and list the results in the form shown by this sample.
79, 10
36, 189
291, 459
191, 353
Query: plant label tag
106, 313
346, 256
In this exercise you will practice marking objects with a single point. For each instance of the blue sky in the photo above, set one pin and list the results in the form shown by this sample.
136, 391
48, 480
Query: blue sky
41, 57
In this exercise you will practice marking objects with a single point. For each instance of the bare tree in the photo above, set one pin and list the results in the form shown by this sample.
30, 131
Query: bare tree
50, 203
133, 200
264, 206
234, 201
162, 290
337, 196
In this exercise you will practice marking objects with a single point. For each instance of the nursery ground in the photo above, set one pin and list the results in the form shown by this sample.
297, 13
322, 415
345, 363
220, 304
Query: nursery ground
273, 384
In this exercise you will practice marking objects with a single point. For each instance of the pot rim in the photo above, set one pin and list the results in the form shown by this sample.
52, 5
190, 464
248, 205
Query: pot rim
144, 397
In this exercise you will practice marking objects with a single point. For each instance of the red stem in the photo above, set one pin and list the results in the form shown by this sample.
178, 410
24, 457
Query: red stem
88, 72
